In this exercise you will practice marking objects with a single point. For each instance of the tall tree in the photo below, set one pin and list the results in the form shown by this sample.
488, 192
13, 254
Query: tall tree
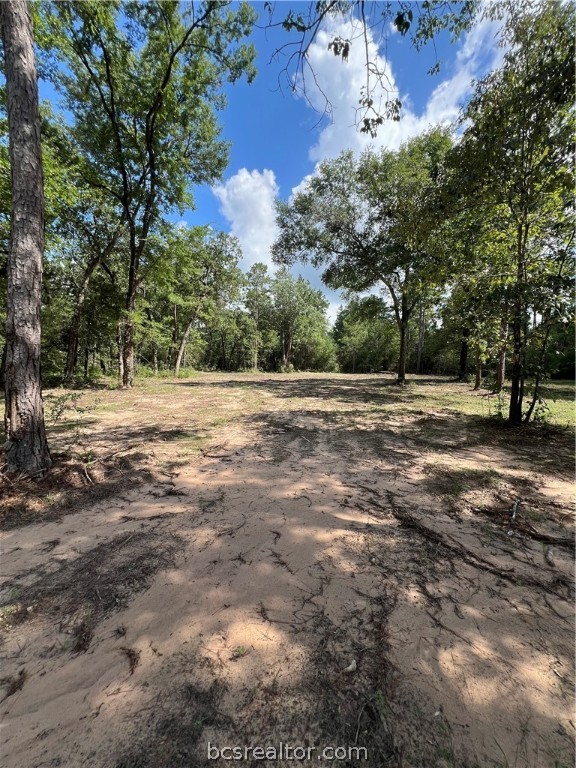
146, 145
362, 219
518, 152
258, 302
206, 279
26, 446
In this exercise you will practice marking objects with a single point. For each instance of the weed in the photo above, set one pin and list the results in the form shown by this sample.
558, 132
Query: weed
133, 657
68, 403
239, 652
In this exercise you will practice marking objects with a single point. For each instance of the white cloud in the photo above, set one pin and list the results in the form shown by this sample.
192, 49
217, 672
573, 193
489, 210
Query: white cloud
247, 202
341, 83
247, 198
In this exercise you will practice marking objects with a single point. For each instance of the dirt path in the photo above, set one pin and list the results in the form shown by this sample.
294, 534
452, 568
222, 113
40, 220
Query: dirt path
338, 565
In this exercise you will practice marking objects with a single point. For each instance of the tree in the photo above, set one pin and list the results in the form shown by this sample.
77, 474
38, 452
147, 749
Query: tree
26, 446
258, 301
206, 279
144, 146
366, 336
299, 312
517, 153
363, 220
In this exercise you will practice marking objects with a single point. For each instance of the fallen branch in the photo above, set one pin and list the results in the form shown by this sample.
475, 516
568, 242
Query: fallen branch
409, 521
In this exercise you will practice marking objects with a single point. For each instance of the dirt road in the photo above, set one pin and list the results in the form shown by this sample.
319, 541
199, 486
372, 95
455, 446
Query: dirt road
326, 562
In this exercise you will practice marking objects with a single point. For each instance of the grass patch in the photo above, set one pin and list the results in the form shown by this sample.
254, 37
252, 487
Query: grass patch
455, 482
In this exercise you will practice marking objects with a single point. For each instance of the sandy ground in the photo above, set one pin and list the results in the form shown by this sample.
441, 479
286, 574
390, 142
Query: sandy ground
318, 561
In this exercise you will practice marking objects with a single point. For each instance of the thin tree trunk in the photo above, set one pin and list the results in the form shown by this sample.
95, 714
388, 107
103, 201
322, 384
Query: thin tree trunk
120, 350
182, 347
72, 347
501, 366
421, 335
402, 313
517, 377
518, 320
128, 351
403, 328
155, 359
86, 362
283, 350
478, 377
223, 350
539, 372
26, 447
463, 364
87, 347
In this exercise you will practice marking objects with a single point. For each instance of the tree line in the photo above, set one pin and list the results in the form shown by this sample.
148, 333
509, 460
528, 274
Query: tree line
467, 233
474, 224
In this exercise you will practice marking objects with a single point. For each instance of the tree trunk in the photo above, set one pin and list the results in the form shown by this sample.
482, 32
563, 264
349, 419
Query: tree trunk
501, 365
518, 337
285, 350
517, 377
120, 351
539, 374
86, 362
403, 328
87, 348
463, 365
182, 346
402, 314
257, 339
26, 445
421, 335
72, 346
478, 378
130, 306
155, 359
128, 352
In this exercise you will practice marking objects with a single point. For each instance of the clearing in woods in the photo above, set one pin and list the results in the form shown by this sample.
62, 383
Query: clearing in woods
318, 560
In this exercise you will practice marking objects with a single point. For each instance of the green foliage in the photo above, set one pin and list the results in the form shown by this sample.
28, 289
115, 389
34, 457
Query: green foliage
515, 161
365, 220
472, 240
366, 336
299, 317
141, 85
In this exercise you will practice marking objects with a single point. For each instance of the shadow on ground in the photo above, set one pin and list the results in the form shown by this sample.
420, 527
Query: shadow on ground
330, 578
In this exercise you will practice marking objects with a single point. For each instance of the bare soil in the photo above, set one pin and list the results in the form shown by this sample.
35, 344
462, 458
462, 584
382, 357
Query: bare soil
313, 560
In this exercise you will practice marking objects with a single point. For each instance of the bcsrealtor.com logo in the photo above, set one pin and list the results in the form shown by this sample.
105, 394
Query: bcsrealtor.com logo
286, 752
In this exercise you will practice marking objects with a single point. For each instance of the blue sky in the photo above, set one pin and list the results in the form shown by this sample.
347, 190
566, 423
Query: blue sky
277, 138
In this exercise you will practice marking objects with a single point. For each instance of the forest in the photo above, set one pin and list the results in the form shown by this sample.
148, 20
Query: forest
455, 250
221, 418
